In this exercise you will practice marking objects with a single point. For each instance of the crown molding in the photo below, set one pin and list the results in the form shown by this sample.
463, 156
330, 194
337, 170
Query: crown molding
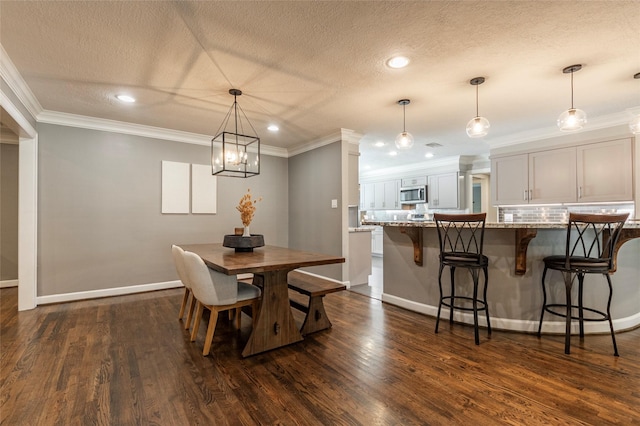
318, 143
407, 169
16, 83
351, 136
102, 124
23, 124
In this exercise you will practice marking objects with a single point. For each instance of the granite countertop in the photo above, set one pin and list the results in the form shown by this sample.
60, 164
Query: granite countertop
362, 228
631, 224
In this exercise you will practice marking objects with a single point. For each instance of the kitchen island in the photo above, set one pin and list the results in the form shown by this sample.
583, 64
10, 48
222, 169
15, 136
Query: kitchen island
359, 254
515, 251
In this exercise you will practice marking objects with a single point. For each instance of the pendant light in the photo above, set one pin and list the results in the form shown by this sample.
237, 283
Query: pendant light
573, 118
478, 126
235, 151
405, 139
634, 125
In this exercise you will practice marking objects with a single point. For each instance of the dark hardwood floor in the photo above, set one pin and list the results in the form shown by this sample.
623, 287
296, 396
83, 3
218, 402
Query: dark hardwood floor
128, 361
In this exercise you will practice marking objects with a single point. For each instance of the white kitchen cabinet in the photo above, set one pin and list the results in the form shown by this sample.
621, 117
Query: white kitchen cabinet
391, 195
367, 195
359, 257
552, 176
540, 177
376, 241
510, 180
380, 195
584, 173
605, 171
413, 181
443, 191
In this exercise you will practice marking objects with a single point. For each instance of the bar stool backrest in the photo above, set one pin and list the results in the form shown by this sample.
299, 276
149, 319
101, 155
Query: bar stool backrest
461, 236
592, 238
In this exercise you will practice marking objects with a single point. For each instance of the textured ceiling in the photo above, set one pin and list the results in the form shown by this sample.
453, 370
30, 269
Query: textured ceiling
315, 67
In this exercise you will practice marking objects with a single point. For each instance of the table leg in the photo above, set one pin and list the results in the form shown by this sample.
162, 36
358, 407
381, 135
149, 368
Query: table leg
274, 325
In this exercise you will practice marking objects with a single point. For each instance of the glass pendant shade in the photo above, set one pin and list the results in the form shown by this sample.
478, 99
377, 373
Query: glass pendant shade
634, 125
572, 119
404, 140
478, 127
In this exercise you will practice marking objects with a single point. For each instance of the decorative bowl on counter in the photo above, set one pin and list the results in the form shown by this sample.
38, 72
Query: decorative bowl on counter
243, 244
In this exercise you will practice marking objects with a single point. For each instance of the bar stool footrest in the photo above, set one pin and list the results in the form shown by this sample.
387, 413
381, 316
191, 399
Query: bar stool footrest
547, 308
482, 305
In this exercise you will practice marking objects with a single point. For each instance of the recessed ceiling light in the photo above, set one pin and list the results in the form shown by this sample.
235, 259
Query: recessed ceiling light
429, 155
398, 62
393, 153
379, 144
273, 128
126, 98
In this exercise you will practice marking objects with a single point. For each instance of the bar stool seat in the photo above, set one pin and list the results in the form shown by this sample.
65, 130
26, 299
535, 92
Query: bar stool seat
590, 243
461, 238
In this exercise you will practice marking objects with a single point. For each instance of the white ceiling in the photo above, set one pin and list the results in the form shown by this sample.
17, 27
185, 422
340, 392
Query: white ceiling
315, 67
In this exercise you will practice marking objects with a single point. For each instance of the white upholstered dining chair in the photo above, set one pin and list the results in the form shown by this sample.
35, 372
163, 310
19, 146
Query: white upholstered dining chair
217, 292
178, 260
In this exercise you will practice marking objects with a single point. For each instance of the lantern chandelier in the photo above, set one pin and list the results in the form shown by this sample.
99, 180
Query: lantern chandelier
405, 139
235, 151
573, 118
478, 126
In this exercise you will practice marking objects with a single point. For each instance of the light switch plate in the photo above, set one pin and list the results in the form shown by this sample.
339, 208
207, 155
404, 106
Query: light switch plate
508, 217
334, 204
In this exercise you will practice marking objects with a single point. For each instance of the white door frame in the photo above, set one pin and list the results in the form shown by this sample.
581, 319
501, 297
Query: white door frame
27, 207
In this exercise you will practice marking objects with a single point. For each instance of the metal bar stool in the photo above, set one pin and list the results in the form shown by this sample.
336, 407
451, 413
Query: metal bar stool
461, 238
590, 241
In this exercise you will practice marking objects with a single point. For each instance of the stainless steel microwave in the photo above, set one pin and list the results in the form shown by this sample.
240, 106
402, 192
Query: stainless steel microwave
413, 195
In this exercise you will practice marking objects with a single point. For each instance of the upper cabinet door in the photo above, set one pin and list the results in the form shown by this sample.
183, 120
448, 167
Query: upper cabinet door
510, 180
391, 194
443, 191
605, 171
552, 176
368, 196
414, 181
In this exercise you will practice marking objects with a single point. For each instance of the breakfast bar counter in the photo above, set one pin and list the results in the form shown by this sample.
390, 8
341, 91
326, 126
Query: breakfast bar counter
515, 251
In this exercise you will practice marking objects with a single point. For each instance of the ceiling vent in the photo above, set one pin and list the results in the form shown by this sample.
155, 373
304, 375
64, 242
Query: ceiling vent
433, 145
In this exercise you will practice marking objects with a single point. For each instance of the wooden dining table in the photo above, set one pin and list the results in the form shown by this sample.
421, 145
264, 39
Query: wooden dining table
273, 326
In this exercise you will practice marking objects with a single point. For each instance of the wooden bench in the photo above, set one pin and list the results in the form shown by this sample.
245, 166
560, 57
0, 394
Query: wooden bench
316, 288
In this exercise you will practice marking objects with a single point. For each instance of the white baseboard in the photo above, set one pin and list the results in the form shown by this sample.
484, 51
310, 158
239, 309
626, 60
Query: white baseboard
8, 283
107, 292
526, 326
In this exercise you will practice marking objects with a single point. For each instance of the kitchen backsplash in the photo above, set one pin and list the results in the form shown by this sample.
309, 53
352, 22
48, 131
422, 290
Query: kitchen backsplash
557, 214
401, 215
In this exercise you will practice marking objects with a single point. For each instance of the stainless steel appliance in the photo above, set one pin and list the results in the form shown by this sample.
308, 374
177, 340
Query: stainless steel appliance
413, 195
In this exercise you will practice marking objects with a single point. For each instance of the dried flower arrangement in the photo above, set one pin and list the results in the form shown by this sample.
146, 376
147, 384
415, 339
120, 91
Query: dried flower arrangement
247, 208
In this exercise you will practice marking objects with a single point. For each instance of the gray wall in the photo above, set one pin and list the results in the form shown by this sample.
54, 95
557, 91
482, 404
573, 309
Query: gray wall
315, 178
511, 297
8, 212
99, 221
